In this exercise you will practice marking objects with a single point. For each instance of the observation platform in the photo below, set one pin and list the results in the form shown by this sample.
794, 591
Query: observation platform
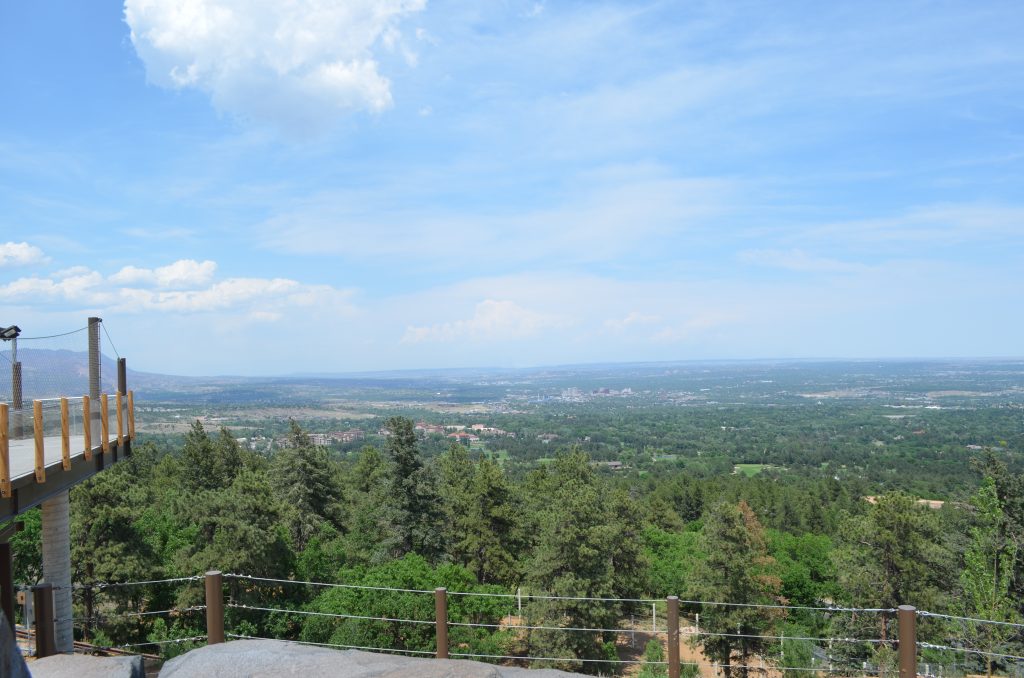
43, 449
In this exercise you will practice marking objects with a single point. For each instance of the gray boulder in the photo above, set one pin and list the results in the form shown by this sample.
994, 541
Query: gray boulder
272, 658
87, 666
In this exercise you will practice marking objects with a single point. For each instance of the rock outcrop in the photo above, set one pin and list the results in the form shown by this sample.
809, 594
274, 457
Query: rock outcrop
272, 658
87, 666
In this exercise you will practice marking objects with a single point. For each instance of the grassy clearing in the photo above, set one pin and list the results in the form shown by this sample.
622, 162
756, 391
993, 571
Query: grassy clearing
751, 470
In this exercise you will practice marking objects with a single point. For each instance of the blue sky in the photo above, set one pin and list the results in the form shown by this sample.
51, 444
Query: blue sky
258, 187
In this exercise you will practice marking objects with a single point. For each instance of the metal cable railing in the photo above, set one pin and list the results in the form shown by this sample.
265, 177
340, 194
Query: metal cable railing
521, 629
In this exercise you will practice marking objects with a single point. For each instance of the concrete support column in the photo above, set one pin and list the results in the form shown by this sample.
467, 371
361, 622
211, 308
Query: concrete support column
57, 566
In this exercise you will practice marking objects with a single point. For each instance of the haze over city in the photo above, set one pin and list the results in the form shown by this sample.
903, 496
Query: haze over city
270, 188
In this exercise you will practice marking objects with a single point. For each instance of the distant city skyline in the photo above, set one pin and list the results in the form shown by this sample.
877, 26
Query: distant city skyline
260, 188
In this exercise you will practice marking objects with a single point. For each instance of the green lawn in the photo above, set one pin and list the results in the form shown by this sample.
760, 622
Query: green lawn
751, 470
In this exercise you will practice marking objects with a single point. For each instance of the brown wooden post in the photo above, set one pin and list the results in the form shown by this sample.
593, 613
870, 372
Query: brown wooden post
214, 607
906, 618
37, 422
87, 427
46, 644
65, 435
122, 376
120, 418
673, 636
131, 415
5, 453
441, 617
104, 424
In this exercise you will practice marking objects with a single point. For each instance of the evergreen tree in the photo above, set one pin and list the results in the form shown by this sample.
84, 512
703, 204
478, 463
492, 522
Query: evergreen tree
306, 486
106, 543
737, 570
987, 575
368, 486
575, 557
893, 555
411, 512
209, 464
492, 535
237, 529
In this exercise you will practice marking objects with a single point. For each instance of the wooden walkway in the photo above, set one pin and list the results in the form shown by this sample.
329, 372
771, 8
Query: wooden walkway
33, 462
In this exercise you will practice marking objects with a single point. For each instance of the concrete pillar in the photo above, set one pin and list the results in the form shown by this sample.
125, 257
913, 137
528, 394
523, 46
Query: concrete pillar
57, 566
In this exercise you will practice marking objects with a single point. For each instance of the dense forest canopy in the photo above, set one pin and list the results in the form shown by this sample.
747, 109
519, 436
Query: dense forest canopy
596, 499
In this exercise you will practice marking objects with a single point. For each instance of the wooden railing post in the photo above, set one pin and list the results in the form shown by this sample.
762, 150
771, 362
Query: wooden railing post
37, 422
214, 607
120, 419
131, 415
441, 617
46, 644
104, 425
673, 636
906, 618
5, 452
87, 427
65, 435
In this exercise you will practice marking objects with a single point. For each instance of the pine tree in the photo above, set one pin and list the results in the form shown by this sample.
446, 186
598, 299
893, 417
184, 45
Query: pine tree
106, 543
411, 512
577, 552
493, 534
368, 485
306, 485
736, 571
209, 464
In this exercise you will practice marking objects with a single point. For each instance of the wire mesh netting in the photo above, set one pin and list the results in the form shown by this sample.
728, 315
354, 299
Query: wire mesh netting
53, 366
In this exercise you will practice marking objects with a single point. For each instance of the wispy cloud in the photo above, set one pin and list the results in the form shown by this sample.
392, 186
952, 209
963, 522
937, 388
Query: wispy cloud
610, 214
492, 320
798, 260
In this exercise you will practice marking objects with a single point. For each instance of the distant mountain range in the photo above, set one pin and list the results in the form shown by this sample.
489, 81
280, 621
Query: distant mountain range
47, 373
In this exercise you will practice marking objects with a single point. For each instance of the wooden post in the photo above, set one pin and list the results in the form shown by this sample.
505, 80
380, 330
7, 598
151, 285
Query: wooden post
87, 427
673, 636
37, 422
122, 376
214, 607
906, 618
441, 617
65, 435
43, 601
5, 453
131, 415
104, 424
120, 419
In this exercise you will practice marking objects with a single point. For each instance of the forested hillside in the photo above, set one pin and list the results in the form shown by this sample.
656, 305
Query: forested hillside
387, 516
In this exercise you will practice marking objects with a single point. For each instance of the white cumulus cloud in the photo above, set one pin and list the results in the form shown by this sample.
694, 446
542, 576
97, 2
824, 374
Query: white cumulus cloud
20, 254
184, 286
184, 273
294, 63
492, 320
